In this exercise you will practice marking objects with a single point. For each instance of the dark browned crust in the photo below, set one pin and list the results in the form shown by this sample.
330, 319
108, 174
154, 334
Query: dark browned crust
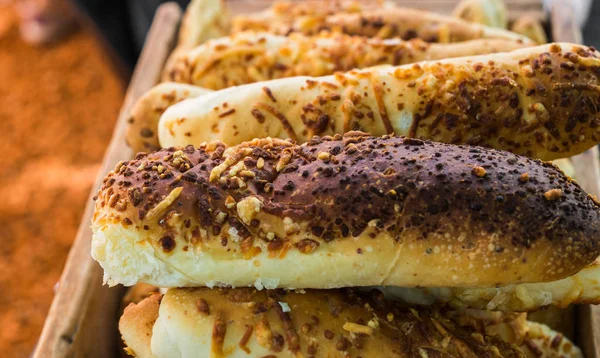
338, 185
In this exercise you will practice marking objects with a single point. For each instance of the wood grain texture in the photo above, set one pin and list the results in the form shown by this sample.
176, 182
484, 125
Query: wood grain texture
516, 8
82, 321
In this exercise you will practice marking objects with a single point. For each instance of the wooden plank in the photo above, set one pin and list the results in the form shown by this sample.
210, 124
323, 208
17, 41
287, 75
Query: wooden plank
82, 318
516, 8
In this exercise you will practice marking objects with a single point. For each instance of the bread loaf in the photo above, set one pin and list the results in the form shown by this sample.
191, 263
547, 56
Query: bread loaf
581, 288
307, 16
530, 27
412, 23
142, 135
335, 323
538, 101
336, 212
385, 21
252, 57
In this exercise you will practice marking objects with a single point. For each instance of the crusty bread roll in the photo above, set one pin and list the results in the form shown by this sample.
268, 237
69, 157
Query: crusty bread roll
530, 27
252, 57
491, 13
142, 133
351, 211
383, 21
337, 323
538, 101
581, 288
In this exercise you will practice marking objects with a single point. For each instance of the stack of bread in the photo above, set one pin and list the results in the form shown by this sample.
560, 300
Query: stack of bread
295, 203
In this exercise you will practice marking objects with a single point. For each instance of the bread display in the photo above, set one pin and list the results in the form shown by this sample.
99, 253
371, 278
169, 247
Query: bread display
356, 179
538, 101
383, 22
142, 132
244, 322
351, 211
253, 57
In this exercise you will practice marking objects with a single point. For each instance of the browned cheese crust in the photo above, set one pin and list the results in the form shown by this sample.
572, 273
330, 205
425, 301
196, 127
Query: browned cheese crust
540, 102
346, 323
384, 21
308, 16
446, 215
252, 57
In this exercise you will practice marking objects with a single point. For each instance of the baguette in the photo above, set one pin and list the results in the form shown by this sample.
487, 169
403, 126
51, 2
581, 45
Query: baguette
253, 57
540, 102
384, 22
530, 27
337, 323
142, 133
337, 212
581, 288
306, 16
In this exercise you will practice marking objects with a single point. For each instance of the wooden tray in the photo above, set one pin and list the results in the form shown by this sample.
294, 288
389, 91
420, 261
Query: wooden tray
82, 321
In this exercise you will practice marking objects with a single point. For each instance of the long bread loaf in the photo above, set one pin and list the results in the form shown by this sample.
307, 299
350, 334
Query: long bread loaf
540, 101
252, 57
351, 211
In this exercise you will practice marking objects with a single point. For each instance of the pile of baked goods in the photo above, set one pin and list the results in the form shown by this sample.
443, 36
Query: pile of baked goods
344, 179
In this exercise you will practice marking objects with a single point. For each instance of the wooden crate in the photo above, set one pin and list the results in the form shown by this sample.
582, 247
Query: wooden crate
82, 321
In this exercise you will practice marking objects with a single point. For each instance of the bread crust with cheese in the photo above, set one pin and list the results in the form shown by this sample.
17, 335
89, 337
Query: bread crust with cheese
307, 16
337, 212
142, 132
203, 20
385, 21
538, 101
245, 322
252, 57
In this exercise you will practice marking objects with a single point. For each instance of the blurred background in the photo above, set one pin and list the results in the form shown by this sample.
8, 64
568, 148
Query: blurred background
64, 67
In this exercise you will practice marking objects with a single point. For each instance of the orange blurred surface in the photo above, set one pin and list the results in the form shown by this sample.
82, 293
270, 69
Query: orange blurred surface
58, 106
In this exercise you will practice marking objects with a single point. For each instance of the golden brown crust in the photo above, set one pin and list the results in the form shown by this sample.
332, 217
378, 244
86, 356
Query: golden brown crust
538, 101
411, 23
252, 57
387, 21
312, 324
306, 16
142, 133
136, 325
447, 208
